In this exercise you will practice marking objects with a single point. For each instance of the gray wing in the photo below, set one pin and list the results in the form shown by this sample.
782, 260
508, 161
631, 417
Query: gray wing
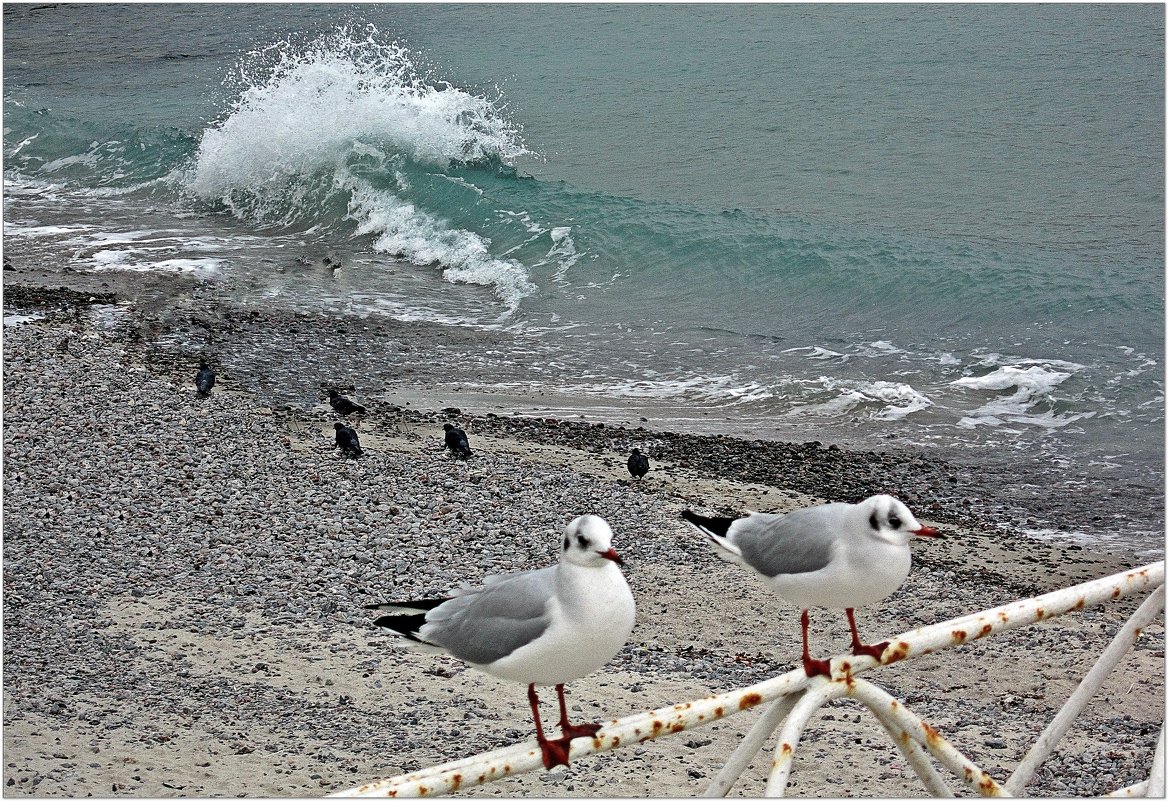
488, 623
796, 542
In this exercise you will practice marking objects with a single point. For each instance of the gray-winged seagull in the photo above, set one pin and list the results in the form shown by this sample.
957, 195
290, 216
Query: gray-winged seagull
837, 555
544, 627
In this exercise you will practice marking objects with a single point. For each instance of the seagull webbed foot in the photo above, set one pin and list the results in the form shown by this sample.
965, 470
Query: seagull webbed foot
573, 730
555, 752
816, 667
875, 651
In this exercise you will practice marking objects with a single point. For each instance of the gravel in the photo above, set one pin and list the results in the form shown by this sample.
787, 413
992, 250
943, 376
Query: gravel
184, 577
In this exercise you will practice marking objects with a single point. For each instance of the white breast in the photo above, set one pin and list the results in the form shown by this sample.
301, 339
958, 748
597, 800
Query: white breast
592, 616
856, 576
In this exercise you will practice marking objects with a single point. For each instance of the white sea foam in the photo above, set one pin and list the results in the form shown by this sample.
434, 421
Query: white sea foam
890, 400
111, 259
718, 390
20, 319
325, 117
34, 231
1031, 387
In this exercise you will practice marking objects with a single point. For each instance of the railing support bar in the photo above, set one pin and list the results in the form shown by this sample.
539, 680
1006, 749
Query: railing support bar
1152, 607
911, 750
813, 699
1156, 777
957, 763
750, 745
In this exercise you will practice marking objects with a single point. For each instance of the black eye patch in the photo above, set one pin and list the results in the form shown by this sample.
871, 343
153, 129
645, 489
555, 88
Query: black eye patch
582, 541
873, 522
567, 543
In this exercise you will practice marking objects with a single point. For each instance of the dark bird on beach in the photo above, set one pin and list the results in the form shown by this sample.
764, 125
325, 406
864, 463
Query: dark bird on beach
638, 464
204, 380
347, 440
342, 405
456, 440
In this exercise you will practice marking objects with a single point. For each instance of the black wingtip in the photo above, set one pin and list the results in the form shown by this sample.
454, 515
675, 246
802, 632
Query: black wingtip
714, 525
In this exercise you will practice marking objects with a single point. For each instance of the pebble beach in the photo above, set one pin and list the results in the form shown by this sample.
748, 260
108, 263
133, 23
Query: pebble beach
184, 582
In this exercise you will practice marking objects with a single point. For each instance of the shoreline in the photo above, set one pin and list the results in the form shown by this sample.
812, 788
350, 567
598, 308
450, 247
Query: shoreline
184, 582
171, 312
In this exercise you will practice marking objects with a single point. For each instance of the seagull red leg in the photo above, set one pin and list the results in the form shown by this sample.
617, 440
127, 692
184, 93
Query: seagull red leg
555, 752
813, 667
571, 731
858, 649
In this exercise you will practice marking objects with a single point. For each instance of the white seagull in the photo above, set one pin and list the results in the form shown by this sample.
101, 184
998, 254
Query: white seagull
837, 555
544, 627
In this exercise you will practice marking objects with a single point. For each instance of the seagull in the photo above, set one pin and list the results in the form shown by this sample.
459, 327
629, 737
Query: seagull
347, 440
545, 627
204, 379
837, 555
342, 405
638, 464
456, 440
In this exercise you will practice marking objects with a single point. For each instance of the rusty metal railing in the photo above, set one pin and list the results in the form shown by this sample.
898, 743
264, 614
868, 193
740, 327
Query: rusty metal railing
793, 698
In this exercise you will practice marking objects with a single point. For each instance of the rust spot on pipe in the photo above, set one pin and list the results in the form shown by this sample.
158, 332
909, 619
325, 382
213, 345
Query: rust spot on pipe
786, 749
719, 712
1080, 603
657, 726
968, 774
958, 636
896, 652
422, 789
1039, 613
749, 700
986, 629
482, 778
895, 704
701, 717
987, 785
615, 742
455, 782
677, 727
931, 734
1116, 592
506, 768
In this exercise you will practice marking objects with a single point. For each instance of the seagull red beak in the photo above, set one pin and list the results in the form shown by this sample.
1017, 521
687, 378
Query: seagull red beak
612, 555
928, 531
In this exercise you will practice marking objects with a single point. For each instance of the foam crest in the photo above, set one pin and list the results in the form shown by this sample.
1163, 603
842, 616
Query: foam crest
885, 400
407, 232
302, 109
333, 133
1031, 401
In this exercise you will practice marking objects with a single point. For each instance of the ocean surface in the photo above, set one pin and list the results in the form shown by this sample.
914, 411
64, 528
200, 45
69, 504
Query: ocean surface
877, 225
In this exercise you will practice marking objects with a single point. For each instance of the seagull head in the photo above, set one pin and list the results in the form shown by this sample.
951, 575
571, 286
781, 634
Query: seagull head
887, 519
587, 541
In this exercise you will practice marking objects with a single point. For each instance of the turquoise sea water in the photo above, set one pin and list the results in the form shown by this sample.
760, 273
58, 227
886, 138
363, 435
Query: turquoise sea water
931, 225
